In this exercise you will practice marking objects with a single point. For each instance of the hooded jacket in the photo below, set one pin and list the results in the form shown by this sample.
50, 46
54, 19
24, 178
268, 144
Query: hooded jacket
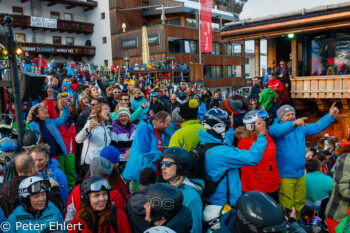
144, 152
51, 216
169, 107
275, 83
181, 222
264, 176
94, 141
53, 171
224, 157
123, 136
290, 144
9, 198
169, 132
192, 200
136, 211
266, 97
202, 109
52, 125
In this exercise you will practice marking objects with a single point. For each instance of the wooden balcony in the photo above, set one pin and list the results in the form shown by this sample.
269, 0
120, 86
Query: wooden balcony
23, 22
89, 5
63, 50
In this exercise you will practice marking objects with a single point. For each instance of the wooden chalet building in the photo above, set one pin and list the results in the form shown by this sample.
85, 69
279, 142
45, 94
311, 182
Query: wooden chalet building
318, 39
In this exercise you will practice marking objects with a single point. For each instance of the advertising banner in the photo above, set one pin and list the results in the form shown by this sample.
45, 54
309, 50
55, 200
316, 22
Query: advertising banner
206, 30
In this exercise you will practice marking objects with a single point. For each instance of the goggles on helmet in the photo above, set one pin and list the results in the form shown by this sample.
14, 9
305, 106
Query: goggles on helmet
37, 187
97, 186
249, 120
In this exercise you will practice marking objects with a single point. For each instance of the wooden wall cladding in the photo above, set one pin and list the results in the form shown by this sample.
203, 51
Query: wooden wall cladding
321, 87
224, 82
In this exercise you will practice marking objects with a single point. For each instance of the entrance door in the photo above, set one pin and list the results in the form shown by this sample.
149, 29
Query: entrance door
283, 49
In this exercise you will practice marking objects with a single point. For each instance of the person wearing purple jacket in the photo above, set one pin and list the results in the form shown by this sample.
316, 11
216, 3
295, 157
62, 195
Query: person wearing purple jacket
123, 133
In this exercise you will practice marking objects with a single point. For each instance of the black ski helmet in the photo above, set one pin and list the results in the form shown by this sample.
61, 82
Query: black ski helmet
258, 212
216, 122
181, 156
182, 96
31, 138
165, 201
93, 184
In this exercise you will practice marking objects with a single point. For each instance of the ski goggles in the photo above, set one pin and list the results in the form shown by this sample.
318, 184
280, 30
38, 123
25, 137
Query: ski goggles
40, 186
97, 186
254, 118
64, 94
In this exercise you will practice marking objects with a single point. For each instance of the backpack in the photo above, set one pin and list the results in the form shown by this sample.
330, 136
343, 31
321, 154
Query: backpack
198, 170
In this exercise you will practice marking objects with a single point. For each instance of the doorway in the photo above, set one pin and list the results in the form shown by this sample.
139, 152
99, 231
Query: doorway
283, 49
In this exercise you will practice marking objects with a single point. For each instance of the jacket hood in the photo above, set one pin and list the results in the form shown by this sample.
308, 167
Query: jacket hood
181, 222
197, 184
206, 137
137, 203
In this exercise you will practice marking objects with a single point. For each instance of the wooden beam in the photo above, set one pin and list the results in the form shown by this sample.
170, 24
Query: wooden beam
51, 4
88, 9
70, 7
24, 1
294, 52
257, 58
271, 53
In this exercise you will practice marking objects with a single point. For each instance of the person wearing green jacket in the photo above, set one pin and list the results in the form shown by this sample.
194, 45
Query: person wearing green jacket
187, 137
266, 97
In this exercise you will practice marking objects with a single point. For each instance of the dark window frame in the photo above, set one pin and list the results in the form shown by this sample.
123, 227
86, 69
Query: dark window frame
103, 15
104, 40
64, 14
53, 38
59, 15
71, 38
18, 7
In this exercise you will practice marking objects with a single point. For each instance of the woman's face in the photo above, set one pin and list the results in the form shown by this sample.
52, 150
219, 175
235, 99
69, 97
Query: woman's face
123, 119
98, 200
154, 98
86, 101
94, 92
42, 113
38, 201
105, 113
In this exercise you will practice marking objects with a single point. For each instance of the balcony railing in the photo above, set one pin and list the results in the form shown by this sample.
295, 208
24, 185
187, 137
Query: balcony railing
71, 3
63, 50
23, 21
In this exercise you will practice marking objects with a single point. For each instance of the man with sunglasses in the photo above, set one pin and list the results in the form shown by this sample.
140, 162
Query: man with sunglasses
175, 164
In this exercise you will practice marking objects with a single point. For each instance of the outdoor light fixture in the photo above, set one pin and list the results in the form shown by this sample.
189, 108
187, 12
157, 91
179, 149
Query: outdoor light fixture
19, 51
4, 52
291, 35
123, 26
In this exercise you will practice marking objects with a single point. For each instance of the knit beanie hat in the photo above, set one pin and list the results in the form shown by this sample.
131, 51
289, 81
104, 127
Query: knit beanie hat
343, 148
123, 110
231, 106
283, 110
82, 96
175, 115
147, 176
189, 110
101, 167
111, 153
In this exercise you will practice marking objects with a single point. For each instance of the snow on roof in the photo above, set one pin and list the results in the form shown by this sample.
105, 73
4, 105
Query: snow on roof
267, 8
196, 6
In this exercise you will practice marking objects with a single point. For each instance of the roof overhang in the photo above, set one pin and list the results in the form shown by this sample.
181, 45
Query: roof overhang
303, 23
183, 9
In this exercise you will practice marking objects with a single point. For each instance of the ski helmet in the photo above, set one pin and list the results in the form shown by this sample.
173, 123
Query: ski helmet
32, 185
181, 156
216, 122
31, 138
159, 229
251, 117
93, 184
165, 201
258, 212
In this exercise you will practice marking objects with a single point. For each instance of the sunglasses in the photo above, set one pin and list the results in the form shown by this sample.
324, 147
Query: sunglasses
92, 83
116, 92
167, 163
125, 99
93, 105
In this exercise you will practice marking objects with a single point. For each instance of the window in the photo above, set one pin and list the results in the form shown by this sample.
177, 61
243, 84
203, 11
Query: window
324, 54
103, 15
192, 23
176, 22
56, 40
216, 48
69, 41
104, 40
229, 71
212, 71
17, 10
55, 15
237, 71
105, 62
215, 26
182, 46
263, 58
237, 49
19, 37
228, 49
68, 16
249, 53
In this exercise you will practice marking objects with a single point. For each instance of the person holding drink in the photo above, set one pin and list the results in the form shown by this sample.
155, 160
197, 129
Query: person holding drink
95, 135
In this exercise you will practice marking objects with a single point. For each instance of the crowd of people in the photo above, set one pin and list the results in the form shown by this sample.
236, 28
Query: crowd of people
103, 156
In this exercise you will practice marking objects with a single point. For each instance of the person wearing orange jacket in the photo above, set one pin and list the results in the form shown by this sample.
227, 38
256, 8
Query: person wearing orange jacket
264, 176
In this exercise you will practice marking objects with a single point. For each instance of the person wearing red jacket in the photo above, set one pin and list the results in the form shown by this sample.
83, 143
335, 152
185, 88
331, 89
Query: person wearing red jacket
41, 63
264, 176
277, 86
97, 214
99, 167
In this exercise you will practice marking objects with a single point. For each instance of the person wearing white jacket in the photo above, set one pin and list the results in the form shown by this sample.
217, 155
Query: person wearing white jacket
95, 135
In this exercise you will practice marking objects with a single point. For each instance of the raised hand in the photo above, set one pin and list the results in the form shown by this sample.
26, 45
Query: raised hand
333, 111
260, 126
300, 122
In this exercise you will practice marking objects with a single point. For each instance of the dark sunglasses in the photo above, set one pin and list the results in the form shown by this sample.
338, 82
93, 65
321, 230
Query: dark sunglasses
167, 163
116, 92
125, 99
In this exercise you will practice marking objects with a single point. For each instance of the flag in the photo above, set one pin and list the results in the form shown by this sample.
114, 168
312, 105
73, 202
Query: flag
145, 50
206, 31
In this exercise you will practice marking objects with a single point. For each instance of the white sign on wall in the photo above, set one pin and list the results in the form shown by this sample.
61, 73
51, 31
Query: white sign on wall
43, 22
